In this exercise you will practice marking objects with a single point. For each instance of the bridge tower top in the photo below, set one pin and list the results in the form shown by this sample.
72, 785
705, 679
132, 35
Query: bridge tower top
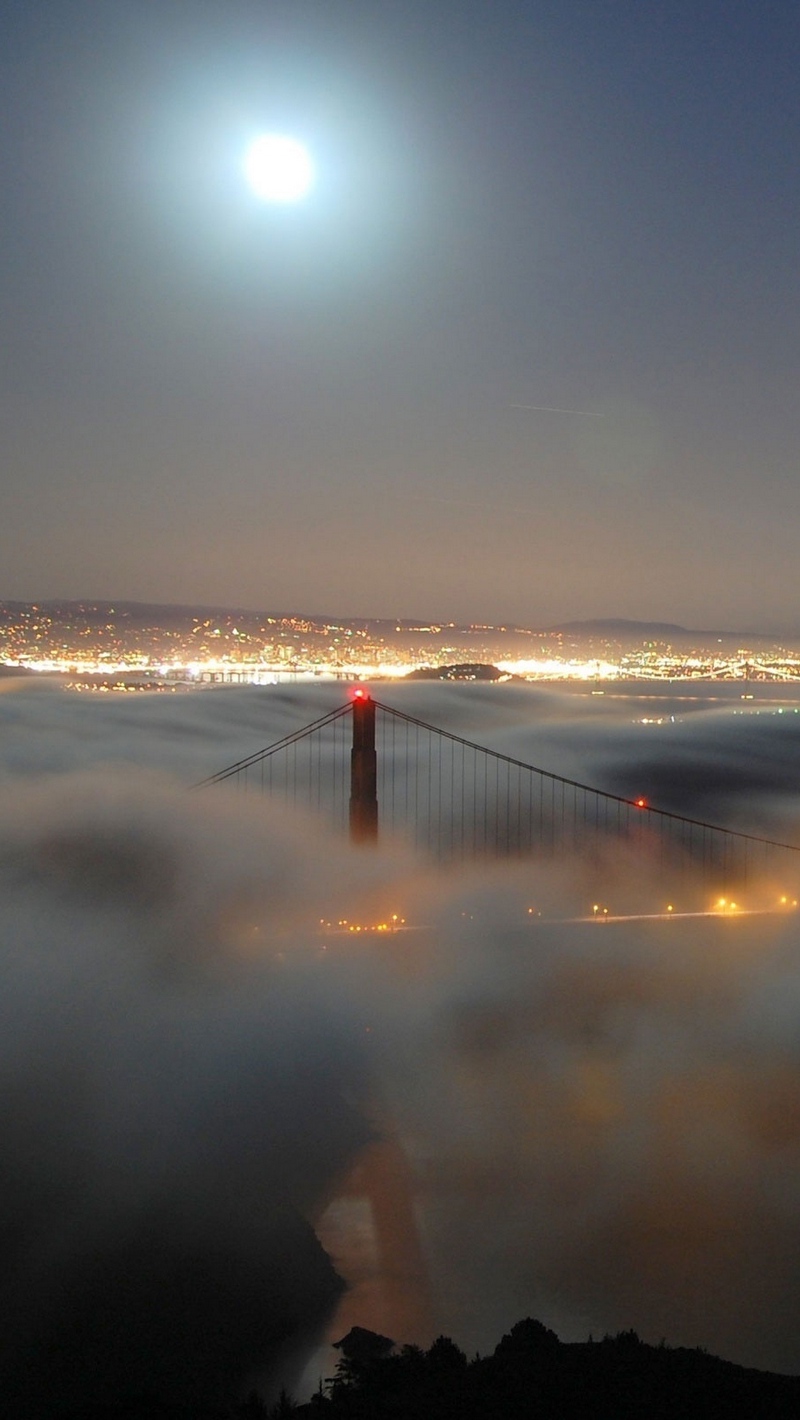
363, 770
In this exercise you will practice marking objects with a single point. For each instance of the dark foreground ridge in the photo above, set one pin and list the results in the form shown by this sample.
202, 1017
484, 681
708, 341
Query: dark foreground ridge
531, 1375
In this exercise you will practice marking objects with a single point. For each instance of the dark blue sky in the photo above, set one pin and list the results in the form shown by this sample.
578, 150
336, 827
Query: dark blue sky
592, 206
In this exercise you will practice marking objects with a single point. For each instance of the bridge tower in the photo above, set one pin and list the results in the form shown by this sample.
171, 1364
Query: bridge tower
363, 771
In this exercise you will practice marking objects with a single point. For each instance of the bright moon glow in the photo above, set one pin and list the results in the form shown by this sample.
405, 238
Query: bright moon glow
278, 169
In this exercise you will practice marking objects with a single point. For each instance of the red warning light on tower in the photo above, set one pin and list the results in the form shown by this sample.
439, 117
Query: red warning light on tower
360, 693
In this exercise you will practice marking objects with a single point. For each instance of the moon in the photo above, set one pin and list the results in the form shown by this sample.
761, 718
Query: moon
278, 168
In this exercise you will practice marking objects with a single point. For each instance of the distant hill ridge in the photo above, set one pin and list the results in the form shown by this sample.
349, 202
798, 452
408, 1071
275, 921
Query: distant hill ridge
619, 623
165, 613
624, 629
171, 611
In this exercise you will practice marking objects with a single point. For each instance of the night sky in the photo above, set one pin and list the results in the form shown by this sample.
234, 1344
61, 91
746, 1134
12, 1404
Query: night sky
588, 205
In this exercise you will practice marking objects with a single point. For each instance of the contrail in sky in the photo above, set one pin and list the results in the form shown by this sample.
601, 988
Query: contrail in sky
550, 409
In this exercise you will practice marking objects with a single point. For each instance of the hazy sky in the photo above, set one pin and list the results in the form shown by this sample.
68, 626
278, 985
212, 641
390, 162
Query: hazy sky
584, 204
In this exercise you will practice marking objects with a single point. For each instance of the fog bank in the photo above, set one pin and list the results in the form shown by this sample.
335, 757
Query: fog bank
594, 1123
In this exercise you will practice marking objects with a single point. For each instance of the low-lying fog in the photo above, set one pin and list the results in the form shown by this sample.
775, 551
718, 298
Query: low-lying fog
488, 1116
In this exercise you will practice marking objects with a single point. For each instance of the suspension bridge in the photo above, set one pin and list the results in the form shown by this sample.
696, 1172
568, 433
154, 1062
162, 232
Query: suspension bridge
371, 770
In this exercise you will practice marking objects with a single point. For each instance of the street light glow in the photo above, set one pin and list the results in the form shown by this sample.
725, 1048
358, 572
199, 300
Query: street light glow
278, 169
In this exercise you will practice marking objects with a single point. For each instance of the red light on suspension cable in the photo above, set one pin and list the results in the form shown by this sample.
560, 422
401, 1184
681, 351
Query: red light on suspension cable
641, 803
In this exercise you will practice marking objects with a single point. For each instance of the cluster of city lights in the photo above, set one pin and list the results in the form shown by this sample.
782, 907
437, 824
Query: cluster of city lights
88, 639
718, 907
392, 924
600, 912
724, 905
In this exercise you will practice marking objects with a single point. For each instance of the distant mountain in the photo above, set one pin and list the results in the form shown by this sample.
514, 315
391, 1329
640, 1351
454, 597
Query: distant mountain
617, 626
622, 629
90, 611
167, 615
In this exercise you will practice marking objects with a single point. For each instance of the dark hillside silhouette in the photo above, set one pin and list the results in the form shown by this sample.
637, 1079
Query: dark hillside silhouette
533, 1374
